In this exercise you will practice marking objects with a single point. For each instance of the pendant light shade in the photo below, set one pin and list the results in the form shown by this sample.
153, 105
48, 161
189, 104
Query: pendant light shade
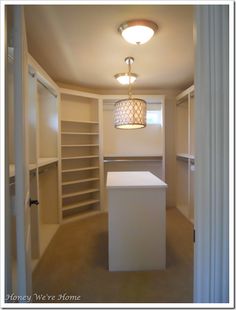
124, 78
130, 113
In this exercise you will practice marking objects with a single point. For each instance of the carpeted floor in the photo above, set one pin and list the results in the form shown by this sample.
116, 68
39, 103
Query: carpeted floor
76, 264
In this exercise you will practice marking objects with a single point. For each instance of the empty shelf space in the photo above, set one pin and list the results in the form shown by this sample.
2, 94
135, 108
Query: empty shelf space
80, 181
80, 169
79, 145
79, 133
80, 157
79, 122
93, 190
81, 204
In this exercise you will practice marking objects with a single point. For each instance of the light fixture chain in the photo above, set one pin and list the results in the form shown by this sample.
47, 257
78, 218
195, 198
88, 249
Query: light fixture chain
129, 74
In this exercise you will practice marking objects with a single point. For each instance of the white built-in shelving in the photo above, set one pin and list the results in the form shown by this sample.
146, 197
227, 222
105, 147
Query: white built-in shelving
43, 154
42, 122
80, 155
185, 155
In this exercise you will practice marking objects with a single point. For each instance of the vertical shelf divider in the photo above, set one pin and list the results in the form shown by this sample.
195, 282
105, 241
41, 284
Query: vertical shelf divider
184, 156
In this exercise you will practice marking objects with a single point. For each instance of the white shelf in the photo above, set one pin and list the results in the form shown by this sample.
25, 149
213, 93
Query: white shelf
79, 145
81, 204
46, 161
80, 216
80, 157
79, 133
79, 181
93, 190
80, 149
79, 122
80, 169
185, 156
12, 169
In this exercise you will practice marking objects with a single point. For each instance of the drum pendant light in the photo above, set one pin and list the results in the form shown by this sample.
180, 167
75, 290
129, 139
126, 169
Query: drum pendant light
130, 113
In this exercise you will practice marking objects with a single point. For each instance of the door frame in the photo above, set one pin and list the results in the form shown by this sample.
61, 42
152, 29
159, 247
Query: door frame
212, 209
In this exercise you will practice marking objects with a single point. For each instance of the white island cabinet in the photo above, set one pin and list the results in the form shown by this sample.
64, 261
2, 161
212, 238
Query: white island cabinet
137, 221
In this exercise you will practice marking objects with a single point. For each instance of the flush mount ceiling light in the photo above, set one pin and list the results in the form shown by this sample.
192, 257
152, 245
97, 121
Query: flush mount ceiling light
130, 113
138, 31
126, 78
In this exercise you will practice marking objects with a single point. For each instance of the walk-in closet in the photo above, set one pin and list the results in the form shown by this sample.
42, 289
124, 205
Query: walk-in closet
101, 153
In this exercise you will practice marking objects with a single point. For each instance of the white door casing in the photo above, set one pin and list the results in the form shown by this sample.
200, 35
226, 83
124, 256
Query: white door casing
211, 258
23, 241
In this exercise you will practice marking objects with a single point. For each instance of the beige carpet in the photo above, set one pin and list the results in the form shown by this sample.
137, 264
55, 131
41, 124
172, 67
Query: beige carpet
76, 263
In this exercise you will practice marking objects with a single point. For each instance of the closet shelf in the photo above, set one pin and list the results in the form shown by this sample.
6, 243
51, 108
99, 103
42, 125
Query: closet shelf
79, 133
79, 145
93, 190
81, 204
80, 181
47, 160
80, 169
12, 169
79, 122
79, 216
184, 156
80, 157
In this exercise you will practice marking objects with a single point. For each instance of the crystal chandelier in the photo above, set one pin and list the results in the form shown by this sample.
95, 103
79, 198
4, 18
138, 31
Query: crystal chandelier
130, 113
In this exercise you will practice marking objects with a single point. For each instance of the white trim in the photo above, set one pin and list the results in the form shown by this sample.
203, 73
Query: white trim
185, 93
211, 261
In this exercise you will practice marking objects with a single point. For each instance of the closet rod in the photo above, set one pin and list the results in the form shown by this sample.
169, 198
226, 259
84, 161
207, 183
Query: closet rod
130, 160
50, 91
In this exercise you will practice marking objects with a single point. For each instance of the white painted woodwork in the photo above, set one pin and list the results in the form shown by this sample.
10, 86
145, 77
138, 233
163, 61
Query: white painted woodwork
23, 233
185, 150
8, 257
182, 127
212, 222
81, 154
137, 216
135, 164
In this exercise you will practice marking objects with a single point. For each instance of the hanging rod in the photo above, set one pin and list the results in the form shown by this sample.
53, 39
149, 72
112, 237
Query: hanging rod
46, 168
43, 84
132, 159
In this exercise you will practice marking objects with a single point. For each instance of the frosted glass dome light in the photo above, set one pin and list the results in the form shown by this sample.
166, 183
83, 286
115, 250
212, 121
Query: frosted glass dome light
137, 31
124, 78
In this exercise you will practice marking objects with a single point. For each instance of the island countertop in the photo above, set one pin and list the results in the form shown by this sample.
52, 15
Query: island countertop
134, 179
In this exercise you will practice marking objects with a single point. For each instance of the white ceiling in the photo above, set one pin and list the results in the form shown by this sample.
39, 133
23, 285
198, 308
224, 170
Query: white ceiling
80, 44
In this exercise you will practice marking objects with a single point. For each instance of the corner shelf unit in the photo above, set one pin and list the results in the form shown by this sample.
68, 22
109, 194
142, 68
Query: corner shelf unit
185, 163
80, 155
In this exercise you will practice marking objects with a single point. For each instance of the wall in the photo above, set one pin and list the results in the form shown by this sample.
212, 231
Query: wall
170, 152
140, 142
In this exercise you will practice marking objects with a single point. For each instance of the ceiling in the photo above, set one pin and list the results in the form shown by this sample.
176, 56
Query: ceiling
80, 44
